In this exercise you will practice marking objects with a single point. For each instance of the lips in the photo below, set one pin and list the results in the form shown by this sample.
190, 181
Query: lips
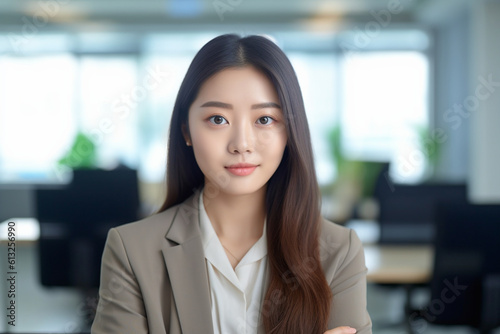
241, 169
241, 165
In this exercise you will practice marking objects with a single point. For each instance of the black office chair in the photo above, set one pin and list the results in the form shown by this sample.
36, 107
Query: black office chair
74, 221
406, 214
465, 287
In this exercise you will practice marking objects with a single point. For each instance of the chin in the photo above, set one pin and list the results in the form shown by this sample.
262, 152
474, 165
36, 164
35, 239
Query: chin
236, 187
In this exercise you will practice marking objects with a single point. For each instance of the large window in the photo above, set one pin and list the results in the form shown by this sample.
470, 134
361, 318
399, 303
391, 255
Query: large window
121, 92
384, 109
37, 113
109, 97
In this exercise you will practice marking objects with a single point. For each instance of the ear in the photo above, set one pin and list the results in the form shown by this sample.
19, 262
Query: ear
185, 133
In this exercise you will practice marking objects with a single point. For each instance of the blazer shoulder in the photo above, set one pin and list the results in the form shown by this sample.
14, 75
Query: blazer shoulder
338, 244
333, 232
152, 225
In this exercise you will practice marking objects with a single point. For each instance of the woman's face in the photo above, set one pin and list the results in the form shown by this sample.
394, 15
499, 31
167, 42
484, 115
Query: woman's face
236, 118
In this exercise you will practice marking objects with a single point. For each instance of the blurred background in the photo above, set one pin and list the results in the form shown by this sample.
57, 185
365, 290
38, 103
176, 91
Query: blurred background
403, 103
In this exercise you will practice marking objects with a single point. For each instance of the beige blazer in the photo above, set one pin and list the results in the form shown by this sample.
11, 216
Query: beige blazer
154, 279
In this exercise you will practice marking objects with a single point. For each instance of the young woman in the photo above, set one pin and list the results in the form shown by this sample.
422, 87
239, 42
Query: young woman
239, 245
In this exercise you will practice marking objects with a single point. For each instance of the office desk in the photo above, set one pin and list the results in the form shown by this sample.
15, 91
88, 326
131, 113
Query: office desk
26, 230
407, 266
399, 264
395, 264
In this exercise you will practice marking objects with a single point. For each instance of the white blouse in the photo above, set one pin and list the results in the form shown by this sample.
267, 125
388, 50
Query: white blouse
235, 294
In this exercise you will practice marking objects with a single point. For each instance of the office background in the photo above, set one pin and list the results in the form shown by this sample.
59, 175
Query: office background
402, 99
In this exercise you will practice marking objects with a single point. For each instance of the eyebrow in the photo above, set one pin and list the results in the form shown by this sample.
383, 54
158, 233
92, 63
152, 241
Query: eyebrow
218, 104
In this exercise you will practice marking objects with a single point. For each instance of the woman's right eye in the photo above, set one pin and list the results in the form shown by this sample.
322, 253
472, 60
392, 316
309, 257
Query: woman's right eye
217, 120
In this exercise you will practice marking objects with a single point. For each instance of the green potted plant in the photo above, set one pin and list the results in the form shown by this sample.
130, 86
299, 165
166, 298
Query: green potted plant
81, 155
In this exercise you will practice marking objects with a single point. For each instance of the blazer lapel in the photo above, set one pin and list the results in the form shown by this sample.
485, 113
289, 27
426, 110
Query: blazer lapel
185, 260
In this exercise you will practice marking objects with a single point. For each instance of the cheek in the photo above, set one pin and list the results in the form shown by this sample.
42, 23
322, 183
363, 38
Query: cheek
275, 147
272, 139
206, 148
280, 139
202, 151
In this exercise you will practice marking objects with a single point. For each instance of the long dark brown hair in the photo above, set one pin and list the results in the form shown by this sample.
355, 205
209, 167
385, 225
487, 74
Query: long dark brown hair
298, 296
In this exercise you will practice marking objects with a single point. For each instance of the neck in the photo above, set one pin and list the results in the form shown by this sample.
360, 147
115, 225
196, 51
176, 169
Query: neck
237, 217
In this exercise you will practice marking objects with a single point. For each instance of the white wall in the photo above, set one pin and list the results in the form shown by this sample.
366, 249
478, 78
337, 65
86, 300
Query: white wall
450, 88
484, 176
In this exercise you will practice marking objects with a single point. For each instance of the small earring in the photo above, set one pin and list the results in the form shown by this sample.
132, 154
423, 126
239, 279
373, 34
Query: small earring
188, 144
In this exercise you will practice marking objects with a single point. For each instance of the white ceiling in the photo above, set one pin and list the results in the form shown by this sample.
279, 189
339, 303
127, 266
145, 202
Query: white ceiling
121, 7
214, 12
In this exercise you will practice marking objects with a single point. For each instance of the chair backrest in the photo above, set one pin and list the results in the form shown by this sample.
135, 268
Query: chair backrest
74, 221
407, 211
467, 250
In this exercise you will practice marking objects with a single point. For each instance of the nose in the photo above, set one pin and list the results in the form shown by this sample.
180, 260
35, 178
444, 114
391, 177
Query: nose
242, 139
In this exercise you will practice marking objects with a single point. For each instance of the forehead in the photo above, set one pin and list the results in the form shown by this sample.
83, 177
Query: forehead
239, 82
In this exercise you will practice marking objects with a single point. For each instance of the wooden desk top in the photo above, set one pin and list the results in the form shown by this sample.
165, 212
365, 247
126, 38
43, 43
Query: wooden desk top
26, 231
399, 264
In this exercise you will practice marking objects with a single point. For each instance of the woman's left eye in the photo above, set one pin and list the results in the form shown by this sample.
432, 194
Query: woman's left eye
266, 120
